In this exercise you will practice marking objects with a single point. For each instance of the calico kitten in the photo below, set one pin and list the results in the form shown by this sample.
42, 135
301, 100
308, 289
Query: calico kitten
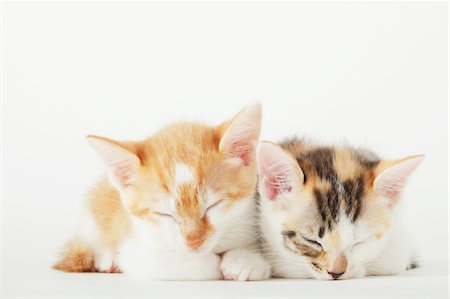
177, 206
330, 212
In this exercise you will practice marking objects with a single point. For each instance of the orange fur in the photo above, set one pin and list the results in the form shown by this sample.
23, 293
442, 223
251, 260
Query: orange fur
108, 214
196, 145
77, 256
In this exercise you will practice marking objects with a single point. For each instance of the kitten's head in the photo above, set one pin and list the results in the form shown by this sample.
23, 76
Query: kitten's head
328, 208
189, 181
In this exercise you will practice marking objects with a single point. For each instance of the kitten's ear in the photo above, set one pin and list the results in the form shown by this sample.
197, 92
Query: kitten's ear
239, 136
279, 172
391, 176
122, 164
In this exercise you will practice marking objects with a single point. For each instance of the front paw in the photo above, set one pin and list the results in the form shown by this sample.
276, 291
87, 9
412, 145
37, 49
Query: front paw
104, 262
244, 264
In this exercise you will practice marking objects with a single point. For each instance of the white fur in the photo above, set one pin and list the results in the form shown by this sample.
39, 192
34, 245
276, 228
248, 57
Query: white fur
104, 261
183, 174
146, 254
158, 252
245, 264
144, 261
242, 259
386, 256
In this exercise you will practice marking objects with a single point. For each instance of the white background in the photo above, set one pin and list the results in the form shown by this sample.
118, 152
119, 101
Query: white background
374, 74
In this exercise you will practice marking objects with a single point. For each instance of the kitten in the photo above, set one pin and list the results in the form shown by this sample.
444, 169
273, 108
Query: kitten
330, 212
177, 206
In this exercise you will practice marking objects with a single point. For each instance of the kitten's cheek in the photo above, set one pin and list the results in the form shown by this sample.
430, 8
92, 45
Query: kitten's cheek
356, 271
318, 274
173, 237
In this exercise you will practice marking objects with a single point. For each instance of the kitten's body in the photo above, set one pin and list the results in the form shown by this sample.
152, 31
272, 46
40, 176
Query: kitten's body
317, 202
177, 206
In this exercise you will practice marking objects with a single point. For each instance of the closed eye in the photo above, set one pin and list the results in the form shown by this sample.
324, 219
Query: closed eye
360, 242
165, 215
312, 242
213, 205
289, 233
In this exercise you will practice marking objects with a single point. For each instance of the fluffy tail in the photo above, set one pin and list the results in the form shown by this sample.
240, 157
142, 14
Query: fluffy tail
77, 256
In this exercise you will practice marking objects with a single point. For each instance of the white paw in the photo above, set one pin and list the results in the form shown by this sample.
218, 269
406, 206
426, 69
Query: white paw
145, 263
207, 267
104, 262
244, 264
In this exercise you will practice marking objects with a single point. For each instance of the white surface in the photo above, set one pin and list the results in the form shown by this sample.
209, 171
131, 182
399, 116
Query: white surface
430, 281
372, 73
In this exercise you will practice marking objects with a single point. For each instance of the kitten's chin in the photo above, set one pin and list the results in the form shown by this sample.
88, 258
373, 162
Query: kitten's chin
352, 272
205, 249
194, 252
319, 275
199, 251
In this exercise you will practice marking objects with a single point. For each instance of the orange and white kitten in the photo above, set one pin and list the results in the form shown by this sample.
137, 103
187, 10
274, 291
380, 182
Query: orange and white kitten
330, 212
177, 206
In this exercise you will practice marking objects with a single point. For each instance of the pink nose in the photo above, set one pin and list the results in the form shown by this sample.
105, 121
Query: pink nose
335, 275
338, 267
196, 242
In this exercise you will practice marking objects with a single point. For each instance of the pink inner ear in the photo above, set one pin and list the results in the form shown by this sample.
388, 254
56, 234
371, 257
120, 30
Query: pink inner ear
274, 188
392, 191
392, 186
242, 135
393, 179
122, 164
243, 150
123, 173
277, 176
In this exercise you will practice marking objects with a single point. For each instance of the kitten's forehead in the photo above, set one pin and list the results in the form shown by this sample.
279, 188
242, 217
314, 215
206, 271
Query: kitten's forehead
337, 177
182, 153
186, 161
339, 198
184, 174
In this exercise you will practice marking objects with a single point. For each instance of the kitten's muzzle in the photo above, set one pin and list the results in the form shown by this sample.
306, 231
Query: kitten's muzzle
335, 275
195, 242
337, 266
